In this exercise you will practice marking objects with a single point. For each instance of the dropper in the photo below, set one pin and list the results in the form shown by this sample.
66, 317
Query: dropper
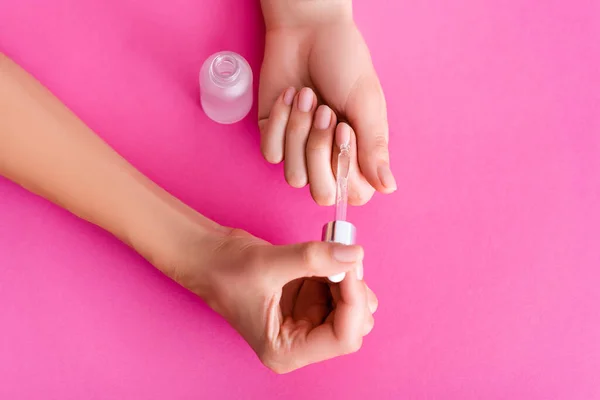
341, 194
339, 230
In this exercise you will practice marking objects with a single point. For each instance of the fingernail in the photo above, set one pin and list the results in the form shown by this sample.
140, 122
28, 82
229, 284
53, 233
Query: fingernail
386, 177
342, 137
288, 96
337, 278
360, 272
323, 117
347, 254
305, 100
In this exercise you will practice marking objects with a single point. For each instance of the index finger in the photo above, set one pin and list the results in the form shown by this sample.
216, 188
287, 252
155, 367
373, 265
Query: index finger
343, 335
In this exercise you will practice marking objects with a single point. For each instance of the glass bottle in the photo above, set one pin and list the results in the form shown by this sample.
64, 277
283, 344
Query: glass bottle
226, 87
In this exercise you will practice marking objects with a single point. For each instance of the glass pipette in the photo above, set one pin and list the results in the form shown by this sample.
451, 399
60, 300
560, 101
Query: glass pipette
341, 191
340, 230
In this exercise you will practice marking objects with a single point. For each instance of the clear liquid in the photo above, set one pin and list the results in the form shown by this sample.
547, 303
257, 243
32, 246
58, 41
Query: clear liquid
341, 192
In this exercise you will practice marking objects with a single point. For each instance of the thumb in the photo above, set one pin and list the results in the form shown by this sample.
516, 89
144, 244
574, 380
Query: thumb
366, 112
312, 259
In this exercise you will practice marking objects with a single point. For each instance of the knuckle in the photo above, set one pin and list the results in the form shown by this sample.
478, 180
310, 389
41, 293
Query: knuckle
271, 151
360, 197
381, 144
319, 144
352, 345
369, 324
270, 156
275, 364
310, 255
298, 127
277, 369
322, 198
296, 178
374, 304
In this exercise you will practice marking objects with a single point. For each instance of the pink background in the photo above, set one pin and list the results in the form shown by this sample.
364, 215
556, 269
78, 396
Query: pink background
486, 262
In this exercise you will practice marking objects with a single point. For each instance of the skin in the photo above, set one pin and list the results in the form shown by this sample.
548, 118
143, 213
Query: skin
276, 297
316, 66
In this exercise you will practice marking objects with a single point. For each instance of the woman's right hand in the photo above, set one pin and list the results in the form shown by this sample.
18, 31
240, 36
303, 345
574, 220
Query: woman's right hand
273, 295
278, 299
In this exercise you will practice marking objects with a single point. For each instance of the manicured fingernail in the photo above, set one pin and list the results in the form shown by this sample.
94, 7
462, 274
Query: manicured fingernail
347, 254
360, 272
342, 136
386, 177
288, 96
305, 100
337, 278
323, 117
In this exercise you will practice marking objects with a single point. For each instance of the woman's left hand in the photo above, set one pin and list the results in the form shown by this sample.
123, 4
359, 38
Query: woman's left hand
317, 66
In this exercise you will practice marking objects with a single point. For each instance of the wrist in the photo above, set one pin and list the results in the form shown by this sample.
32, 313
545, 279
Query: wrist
302, 13
182, 246
166, 232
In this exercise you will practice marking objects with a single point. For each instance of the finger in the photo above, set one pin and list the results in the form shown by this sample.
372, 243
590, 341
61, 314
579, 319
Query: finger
369, 323
366, 112
344, 335
313, 259
350, 309
372, 301
312, 303
272, 130
318, 157
360, 272
335, 294
359, 190
296, 137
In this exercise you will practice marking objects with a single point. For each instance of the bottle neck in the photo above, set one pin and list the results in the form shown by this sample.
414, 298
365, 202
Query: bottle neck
224, 70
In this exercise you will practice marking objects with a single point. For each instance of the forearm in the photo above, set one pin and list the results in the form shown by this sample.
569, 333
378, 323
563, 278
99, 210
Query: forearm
300, 13
49, 151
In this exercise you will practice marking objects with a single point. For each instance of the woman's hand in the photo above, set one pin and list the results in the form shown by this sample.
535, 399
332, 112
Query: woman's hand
317, 65
272, 295
277, 298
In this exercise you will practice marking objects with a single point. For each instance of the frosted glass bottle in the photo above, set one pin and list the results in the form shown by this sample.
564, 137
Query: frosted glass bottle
226, 87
